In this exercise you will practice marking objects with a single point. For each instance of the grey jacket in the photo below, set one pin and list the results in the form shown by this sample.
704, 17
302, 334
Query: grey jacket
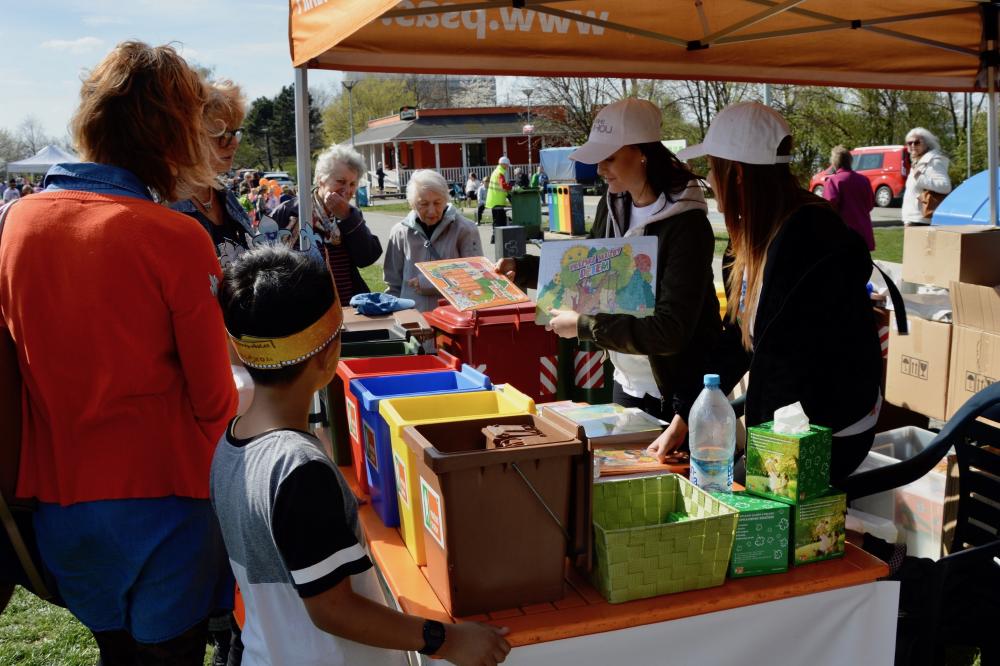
454, 236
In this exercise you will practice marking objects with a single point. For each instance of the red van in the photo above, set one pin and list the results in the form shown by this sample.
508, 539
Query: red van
884, 166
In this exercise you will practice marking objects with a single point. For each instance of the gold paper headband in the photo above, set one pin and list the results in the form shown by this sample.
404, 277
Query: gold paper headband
273, 353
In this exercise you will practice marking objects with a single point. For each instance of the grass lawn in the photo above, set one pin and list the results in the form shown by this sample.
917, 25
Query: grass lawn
889, 244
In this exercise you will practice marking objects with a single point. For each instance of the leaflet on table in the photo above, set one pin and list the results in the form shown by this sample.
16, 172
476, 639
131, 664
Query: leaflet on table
612, 275
610, 419
614, 462
470, 283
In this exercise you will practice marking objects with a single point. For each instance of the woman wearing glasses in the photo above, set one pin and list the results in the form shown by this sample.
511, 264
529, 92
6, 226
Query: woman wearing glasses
928, 173
216, 207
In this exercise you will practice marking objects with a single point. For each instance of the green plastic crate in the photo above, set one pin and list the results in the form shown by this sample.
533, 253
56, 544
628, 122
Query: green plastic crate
642, 549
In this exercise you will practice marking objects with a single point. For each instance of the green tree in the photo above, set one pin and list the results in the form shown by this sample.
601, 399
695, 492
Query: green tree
282, 126
373, 98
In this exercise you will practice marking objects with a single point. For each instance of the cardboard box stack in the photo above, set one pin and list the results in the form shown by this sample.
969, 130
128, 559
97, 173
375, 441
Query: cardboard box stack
975, 345
921, 365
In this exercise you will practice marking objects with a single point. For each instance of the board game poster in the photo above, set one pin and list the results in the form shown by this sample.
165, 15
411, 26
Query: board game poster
470, 283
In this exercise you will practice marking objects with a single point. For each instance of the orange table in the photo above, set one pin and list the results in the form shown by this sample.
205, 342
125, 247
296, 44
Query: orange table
584, 613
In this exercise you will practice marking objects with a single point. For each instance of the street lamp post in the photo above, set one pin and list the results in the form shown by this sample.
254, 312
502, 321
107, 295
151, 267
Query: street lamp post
528, 128
349, 84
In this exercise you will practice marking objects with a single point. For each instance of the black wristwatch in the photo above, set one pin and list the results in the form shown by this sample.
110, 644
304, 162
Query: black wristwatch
433, 637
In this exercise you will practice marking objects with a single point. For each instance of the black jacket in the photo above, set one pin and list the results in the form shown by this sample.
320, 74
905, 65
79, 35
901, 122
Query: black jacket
685, 324
814, 337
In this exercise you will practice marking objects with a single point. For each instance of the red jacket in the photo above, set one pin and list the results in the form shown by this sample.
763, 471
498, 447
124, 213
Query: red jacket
110, 301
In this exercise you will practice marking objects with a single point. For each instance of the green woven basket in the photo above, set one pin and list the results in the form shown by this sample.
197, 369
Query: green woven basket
640, 554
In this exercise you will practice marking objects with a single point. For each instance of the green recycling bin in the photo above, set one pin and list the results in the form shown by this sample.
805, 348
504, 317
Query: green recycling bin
584, 374
526, 211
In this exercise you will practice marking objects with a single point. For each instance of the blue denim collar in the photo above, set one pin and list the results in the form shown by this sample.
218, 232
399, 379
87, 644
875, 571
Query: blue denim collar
91, 177
233, 208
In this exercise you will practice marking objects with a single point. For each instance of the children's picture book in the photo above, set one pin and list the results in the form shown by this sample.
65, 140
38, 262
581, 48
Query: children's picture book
611, 419
470, 283
617, 462
612, 275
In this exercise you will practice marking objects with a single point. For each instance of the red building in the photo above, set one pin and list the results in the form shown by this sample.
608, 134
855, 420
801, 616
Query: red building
451, 141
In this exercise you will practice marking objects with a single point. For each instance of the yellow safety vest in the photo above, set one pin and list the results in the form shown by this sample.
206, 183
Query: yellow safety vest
496, 195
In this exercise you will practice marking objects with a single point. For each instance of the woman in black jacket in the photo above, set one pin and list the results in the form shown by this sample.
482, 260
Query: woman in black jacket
799, 317
650, 193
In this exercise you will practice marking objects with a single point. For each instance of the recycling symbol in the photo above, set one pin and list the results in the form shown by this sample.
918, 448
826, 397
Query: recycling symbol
777, 554
759, 541
759, 527
783, 524
770, 539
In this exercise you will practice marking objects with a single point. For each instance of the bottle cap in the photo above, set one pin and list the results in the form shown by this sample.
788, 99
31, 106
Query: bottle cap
711, 381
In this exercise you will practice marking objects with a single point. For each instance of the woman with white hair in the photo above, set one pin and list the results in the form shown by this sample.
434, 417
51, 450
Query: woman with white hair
432, 230
336, 225
928, 175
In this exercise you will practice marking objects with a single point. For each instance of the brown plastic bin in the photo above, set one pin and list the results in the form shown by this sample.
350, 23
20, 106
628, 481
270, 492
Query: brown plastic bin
491, 542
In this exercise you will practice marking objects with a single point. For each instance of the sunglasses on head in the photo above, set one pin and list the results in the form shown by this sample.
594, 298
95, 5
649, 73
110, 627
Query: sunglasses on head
226, 138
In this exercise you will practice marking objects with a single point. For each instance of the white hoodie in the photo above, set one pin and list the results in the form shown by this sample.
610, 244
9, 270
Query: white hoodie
632, 371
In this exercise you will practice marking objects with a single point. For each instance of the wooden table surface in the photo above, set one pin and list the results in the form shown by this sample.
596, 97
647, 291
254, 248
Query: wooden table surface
584, 611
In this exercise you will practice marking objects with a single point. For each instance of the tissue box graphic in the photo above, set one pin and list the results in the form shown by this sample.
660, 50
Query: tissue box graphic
788, 468
761, 545
818, 528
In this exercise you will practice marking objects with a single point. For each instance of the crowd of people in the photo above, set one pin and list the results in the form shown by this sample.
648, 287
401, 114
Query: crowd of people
154, 496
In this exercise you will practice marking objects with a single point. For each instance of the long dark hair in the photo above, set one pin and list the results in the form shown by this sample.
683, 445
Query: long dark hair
665, 174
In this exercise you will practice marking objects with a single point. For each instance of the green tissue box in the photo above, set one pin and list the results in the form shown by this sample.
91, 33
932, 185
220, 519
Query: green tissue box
658, 535
818, 531
788, 468
761, 545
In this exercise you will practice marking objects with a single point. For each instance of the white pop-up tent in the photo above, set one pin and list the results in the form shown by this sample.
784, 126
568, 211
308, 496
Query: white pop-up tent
42, 160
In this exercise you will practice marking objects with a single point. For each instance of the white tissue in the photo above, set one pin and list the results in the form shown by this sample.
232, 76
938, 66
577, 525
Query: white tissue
791, 420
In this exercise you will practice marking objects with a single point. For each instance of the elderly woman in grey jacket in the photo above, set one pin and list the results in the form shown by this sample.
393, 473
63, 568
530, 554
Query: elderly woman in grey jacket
432, 230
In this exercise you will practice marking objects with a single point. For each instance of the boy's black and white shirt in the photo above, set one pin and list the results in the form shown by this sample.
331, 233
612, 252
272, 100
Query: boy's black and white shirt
290, 527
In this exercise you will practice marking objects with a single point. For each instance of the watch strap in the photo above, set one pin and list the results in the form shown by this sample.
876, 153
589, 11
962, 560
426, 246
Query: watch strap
433, 637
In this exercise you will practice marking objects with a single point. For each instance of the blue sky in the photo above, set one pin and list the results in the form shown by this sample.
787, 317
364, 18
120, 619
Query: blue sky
48, 44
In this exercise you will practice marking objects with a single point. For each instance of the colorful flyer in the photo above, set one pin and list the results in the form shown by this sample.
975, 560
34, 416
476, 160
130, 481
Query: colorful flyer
471, 284
612, 275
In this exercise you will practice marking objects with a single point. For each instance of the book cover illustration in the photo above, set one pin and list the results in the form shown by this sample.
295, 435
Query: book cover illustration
612, 275
614, 462
470, 283
612, 419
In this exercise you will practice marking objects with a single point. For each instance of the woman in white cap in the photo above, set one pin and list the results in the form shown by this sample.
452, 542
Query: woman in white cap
650, 193
799, 318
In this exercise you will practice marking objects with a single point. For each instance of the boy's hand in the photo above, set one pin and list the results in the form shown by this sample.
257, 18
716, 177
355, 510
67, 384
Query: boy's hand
474, 644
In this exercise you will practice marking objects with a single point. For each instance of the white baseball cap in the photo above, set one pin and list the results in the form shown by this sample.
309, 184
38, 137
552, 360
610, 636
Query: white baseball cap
749, 132
504, 160
624, 123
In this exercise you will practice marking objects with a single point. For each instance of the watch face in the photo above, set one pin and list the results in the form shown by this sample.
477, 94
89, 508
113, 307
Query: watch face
433, 637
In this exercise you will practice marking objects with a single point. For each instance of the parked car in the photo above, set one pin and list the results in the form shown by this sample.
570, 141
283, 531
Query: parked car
280, 177
884, 166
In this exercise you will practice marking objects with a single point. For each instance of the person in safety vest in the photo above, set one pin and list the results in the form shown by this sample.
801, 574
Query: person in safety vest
496, 192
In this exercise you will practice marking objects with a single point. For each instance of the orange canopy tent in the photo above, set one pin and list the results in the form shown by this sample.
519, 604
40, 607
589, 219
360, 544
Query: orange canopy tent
946, 45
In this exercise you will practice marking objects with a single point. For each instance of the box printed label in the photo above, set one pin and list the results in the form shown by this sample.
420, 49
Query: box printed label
914, 367
352, 419
370, 446
976, 382
402, 489
430, 502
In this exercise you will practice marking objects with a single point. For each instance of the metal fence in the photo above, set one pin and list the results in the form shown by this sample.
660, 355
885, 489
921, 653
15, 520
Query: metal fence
451, 174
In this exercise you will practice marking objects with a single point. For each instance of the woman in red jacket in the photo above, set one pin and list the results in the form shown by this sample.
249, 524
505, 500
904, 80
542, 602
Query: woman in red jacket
109, 298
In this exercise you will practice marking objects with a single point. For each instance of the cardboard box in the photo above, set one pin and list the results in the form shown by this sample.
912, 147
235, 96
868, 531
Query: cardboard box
761, 545
918, 369
975, 346
788, 468
940, 255
818, 531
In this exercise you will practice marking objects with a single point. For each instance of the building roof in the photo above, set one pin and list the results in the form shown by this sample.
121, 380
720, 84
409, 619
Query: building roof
441, 128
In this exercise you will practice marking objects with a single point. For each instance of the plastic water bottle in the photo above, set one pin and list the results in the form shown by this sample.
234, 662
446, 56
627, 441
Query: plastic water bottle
712, 424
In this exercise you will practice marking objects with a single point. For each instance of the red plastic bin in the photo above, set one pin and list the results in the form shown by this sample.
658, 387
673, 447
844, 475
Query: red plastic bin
503, 343
377, 366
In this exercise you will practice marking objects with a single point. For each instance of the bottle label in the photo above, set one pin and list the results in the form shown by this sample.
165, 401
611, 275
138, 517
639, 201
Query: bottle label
712, 474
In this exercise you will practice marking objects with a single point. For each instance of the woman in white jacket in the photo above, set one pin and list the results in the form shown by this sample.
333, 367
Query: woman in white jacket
928, 171
433, 230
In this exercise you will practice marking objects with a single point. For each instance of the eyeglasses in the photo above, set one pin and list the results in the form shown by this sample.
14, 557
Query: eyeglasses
914, 142
226, 138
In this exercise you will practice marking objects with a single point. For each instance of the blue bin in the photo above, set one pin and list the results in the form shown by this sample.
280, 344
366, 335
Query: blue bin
969, 203
361, 196
376, 439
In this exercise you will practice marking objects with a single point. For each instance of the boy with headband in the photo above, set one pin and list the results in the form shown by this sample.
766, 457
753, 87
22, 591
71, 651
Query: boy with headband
288, 520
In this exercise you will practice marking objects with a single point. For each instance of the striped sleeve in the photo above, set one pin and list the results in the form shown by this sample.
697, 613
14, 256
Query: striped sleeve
310, 528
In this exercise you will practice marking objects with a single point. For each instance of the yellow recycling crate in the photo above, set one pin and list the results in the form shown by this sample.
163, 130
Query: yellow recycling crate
398, 413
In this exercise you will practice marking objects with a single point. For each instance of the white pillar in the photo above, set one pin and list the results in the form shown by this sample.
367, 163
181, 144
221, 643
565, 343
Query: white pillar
303, 164
437, 156
395, 159
505, 145
465, 161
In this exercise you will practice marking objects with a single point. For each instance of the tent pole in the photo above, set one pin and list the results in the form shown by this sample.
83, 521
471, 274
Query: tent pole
991, 73
303, 158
